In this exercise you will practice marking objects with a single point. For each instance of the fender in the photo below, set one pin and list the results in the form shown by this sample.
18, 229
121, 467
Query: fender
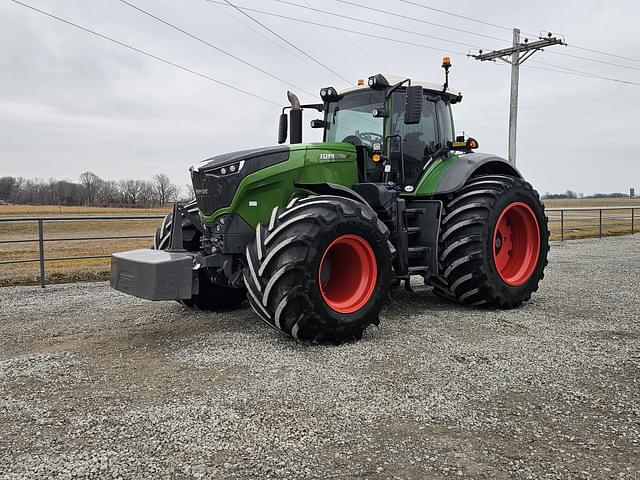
331, 189
460, 170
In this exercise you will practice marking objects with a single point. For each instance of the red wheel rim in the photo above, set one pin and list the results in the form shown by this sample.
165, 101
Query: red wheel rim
347, 274
516, 243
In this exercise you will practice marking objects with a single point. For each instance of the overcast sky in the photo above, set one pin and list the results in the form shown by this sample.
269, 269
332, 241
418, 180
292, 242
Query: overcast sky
71, 102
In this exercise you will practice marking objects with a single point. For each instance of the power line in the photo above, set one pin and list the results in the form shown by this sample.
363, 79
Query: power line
390, 39
407, 17
456, 15
332, 27
561, 69
594, 60
375, 24
482, 35
605, 53
147, 54
259, 32
288, 42
218, 49
344, 35
503, 27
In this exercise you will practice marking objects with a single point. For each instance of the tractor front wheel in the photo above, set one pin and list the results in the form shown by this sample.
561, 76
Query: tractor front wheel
320, 270
494, 243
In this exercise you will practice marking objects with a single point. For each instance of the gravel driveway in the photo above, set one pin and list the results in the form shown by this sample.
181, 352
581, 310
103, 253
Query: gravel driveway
96, 384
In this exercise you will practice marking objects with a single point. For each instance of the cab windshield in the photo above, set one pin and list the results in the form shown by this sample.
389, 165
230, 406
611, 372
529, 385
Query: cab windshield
350, 119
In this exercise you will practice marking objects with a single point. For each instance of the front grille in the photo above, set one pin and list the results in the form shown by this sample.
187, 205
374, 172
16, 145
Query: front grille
214, 191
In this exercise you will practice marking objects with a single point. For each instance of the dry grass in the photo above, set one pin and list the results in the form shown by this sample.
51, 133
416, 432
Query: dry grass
586, 223
69, 270
592, 202
30, 210
576, 225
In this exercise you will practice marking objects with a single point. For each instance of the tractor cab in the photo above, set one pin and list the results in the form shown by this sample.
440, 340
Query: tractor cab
396, 125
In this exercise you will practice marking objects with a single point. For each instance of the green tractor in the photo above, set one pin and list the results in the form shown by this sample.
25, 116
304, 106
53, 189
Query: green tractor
314, 235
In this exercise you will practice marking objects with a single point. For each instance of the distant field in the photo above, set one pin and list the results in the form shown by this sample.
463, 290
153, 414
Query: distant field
583, 224
28, 210
71, 270
592, 202
577, 225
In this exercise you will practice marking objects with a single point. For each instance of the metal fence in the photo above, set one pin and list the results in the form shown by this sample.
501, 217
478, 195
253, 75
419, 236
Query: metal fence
603, 220
590, 221
41, 240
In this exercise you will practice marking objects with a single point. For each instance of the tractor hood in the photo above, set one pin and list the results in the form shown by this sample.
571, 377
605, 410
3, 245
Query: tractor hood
216, 179
239, 156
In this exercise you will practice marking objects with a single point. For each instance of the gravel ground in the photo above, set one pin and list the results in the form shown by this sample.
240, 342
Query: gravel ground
96, 384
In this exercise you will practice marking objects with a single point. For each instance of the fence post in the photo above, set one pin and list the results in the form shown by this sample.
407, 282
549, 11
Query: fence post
632, 214
41, 249
562, 225
600, 223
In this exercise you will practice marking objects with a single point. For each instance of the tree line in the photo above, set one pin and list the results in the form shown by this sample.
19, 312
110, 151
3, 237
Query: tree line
570, 194
91, 190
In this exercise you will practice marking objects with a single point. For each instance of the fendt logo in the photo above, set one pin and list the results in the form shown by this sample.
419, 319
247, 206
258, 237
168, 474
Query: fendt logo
202, 191
332, 156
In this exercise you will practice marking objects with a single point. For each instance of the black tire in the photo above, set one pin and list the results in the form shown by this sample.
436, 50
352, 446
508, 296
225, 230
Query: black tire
210, 296
283, 281
468, 271
190, 234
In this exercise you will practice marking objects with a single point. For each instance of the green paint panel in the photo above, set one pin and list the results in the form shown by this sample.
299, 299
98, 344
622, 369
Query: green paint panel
260, 191
428, 184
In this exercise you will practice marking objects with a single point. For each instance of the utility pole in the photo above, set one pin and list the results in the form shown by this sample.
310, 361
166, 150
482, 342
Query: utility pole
513, 101
512, 56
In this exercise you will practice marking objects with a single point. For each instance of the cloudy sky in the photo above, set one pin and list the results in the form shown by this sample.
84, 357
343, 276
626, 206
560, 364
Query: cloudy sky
71, 102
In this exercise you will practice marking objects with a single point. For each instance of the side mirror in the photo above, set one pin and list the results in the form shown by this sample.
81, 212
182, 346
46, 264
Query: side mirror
413, 105
283, 127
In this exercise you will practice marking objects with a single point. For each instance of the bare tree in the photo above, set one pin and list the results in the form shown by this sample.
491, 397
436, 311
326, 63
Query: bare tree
130, 190
91, 183
7, 188
190, 191
166, 190
148, 194
109, 193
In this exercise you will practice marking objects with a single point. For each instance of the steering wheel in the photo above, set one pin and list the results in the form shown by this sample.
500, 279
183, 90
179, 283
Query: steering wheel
353, 140
371, 137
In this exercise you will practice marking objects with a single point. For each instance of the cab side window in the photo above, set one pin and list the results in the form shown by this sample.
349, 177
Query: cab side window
445, 125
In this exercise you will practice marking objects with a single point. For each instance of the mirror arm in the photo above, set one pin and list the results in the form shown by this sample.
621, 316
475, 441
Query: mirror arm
396, 86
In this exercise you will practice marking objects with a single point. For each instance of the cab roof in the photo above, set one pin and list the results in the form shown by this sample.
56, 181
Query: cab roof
393, 79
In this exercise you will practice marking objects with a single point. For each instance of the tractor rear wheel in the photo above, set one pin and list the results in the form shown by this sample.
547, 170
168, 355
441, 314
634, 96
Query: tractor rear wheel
320, 270
210, 296
494, 242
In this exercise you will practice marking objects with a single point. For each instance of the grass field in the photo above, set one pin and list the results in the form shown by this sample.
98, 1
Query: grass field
31, 210
586, 223
71, 270
579, 224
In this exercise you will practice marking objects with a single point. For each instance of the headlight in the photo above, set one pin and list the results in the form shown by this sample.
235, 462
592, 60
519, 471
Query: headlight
227, 170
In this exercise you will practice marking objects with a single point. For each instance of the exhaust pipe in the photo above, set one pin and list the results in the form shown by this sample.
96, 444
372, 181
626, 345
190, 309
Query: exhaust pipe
295, 125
